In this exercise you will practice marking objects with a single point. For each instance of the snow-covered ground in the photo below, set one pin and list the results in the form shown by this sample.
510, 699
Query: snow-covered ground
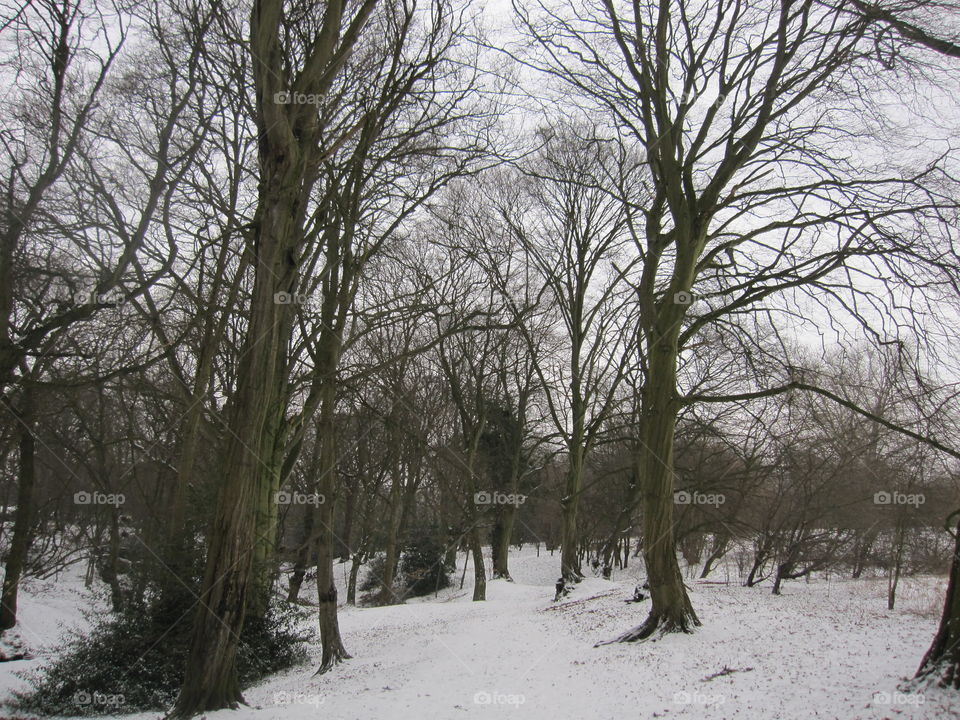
824, 649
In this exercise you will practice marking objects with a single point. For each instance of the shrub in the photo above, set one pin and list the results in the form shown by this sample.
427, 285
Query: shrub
375, 570
133, 661
424, 567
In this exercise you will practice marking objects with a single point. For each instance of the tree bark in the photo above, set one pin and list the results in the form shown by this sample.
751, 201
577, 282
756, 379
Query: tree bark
500, 539
333, 651
210, 678
893, 579
570, 568
942, 660
479, 573
23, 519
304, 552
349, 510
355, 564
671, 610
392, 550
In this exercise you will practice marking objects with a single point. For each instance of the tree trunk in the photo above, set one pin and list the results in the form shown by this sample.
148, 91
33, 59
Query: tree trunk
305, 551
349, 510
893, 579
23, 519
479, 573
569, 561
760, 556
210, 678
361, 553
500, 539
265, 535
782, 571
718, 548
355, 563
392, 549
671, 610
332, 644
112, 562
330, 640
942, 660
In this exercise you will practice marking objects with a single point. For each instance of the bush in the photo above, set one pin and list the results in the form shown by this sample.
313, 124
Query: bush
423, 566
375, 570
133, 661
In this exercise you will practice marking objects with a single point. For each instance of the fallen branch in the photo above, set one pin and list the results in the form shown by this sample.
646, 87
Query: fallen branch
726, 671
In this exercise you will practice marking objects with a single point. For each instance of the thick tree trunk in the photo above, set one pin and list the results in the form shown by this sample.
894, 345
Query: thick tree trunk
942, 660
782, 571
570, 568
332, 644
247, 477
265, 536
671, 610
210, 678
23, 519
500, 540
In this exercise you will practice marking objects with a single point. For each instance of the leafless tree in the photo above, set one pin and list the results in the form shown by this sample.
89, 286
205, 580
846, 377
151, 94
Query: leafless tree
755, 204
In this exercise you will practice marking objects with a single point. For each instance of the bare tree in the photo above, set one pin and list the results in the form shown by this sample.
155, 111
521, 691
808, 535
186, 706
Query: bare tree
750, 208
91, 157
572, 230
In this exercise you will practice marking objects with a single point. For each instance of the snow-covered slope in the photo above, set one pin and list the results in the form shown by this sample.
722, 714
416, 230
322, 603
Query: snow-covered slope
824, 649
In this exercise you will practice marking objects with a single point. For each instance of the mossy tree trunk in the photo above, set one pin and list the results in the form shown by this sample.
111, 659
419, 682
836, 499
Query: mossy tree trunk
671, 610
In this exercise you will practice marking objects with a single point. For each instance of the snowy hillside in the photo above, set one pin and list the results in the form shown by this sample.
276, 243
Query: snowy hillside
824, 649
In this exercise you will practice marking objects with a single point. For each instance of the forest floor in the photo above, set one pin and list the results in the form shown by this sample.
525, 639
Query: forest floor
827, 648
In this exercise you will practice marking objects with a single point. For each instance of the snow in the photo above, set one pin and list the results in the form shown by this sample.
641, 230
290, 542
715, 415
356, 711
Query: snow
827, 648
